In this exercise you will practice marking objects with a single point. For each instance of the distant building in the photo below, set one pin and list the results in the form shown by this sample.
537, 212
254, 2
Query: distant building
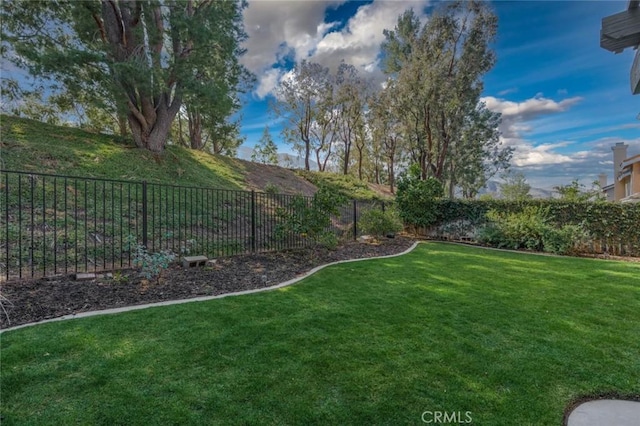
626, 176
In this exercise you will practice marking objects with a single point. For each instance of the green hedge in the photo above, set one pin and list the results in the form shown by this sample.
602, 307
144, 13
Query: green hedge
610, 227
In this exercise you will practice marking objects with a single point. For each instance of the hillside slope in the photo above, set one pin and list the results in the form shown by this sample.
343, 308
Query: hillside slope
28, 145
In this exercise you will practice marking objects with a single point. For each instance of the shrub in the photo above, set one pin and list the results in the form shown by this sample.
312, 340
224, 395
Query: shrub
492, 235
151, 264
604, 224
416, 199
311, 219
271, 189
379, 223
524, 229
563, 240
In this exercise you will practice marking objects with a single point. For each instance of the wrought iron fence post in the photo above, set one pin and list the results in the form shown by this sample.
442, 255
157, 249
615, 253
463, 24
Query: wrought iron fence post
355, 220
144, 213
253, 221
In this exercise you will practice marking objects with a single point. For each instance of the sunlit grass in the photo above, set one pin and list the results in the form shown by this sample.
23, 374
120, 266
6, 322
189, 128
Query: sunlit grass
510, 338
29, 145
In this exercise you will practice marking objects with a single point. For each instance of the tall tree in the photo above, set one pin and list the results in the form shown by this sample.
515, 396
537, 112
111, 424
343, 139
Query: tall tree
351, 92
515, 186
478, 155
387, 131
145, 56
265, 151
296, 100
324, 131
438, 69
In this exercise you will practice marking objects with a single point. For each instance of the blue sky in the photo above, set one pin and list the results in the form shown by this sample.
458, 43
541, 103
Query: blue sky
565, 101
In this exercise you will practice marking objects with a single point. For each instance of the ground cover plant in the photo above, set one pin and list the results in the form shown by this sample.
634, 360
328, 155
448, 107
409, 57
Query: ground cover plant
510, 338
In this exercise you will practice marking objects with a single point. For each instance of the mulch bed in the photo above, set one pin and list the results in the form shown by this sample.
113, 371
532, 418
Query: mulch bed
37, 300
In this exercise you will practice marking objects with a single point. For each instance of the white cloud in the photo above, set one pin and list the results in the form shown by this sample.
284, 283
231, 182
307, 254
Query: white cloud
268, 82
280, 30
358, 42
549, 164
530, 108
518, 121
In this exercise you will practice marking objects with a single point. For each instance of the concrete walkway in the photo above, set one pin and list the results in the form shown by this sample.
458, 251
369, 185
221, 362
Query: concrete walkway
204, 298
605, 412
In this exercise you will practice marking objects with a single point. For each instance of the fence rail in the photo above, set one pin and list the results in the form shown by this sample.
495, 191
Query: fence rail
54, 224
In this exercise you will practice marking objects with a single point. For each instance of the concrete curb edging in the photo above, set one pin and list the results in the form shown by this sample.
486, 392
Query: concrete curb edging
203, 298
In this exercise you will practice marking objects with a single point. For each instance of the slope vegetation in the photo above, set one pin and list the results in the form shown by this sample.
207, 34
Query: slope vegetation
28, 145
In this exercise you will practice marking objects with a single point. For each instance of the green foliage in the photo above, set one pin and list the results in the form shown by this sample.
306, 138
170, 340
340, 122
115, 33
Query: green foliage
515, 187
541, 223
345, 185
265, 151
311, 218
563, 240
577, 192
437, 70
119, 278
378, 223
151, 264
415, 197
140, 58
524, 229
271, 189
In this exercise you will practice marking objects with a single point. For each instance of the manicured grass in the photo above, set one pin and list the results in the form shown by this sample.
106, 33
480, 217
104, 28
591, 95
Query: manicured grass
511, 338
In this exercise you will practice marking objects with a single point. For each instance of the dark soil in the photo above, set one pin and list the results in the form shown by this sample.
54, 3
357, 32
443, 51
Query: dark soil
37, 300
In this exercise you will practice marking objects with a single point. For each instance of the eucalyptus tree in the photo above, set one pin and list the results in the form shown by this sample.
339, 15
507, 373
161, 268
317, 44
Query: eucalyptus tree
386, 131
144, 57
302, 98
479, 153
437, 68
323, 130
350, 102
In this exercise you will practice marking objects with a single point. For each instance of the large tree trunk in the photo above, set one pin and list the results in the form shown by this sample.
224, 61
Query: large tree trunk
150, 127
391, 166
149, 114
195, 130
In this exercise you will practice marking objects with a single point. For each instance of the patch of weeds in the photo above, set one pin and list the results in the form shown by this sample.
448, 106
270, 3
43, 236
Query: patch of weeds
271, 189
119, 278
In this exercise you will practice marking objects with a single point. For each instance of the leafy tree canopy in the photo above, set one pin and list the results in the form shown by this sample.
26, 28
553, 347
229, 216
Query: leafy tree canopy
141, 58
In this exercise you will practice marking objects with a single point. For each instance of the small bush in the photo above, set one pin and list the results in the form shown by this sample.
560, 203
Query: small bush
563, 240
379, 223
524, 229
151, 264
271, 189
492, 235
311, 219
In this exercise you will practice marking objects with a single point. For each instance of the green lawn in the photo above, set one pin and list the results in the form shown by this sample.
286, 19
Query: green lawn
510, 338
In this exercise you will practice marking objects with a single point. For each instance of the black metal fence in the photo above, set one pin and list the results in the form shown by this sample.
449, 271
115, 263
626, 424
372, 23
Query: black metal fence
52, 224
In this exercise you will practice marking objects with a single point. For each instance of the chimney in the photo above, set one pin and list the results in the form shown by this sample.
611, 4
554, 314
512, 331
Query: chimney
619, 155
602, 180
